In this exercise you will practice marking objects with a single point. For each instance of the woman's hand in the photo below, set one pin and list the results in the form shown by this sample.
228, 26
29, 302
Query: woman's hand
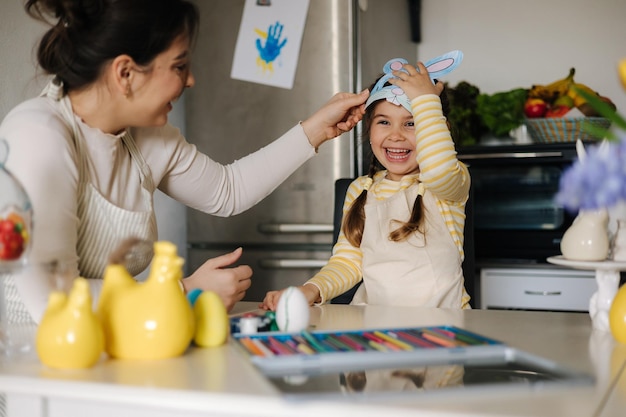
340, 114
310, 291
415, 83
229, 283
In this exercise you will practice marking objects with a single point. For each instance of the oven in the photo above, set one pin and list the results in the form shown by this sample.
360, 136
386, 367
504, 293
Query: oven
518, 225
516, 219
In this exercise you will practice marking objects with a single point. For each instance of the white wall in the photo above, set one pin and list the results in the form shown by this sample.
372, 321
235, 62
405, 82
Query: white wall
18, 35
509, 44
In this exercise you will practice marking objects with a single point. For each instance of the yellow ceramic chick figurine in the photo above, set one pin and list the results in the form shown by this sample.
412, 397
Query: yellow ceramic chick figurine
151, 319
70, 334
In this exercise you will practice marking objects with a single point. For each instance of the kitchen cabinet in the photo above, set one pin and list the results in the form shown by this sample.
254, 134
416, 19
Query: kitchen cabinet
536, 289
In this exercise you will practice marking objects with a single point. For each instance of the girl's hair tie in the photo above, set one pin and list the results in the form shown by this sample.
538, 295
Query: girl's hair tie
368, 183
420, 189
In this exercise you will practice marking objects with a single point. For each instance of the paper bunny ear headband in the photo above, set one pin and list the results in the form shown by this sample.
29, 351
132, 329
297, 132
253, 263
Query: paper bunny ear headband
436, 68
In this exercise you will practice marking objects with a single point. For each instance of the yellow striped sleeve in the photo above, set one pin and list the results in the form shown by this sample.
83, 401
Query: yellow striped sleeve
440, 171
343, 270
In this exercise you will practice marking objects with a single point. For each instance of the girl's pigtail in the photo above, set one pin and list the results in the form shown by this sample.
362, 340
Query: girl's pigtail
415, 221
354, 221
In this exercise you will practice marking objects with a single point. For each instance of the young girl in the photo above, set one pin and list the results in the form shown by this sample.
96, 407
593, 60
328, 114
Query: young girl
402, 231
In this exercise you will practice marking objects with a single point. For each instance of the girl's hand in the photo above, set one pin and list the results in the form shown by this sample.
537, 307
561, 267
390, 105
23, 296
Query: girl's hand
311, 293
416, 83
340, 114
271, 300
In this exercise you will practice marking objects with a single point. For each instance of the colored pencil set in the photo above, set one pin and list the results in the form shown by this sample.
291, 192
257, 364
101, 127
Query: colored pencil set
269, 345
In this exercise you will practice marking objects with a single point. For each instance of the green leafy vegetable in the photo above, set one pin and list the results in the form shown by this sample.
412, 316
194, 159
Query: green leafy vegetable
502, 112
465, 124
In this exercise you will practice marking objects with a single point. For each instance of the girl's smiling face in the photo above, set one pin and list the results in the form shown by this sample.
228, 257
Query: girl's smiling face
392, 138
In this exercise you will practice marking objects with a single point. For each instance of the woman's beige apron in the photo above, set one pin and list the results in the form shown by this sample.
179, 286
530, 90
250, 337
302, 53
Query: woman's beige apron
424, 270
102, 225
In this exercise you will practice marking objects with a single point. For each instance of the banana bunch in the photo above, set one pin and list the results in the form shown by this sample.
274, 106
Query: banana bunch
550, 92
576, 97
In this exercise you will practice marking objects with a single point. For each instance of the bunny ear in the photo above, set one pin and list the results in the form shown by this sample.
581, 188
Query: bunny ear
395, 64
444, 64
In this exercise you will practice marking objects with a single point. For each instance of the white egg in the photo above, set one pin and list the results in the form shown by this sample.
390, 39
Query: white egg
292, 311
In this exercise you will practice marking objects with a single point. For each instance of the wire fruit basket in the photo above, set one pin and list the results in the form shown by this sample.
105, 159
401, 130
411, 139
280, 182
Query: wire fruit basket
556, 130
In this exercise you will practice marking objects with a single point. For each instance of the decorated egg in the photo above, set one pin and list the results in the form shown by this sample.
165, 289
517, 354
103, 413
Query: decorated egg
292, 311
212, 322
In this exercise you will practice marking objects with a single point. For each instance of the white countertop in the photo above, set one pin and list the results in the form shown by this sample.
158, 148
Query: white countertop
222, 382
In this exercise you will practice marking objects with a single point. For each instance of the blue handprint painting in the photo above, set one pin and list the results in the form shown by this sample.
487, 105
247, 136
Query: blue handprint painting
269, 42
269, 46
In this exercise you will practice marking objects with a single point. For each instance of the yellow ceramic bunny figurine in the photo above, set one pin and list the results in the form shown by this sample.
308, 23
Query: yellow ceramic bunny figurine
151, 319
70, 334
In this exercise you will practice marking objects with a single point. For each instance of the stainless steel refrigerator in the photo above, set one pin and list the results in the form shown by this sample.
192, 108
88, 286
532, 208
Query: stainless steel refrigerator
288, 236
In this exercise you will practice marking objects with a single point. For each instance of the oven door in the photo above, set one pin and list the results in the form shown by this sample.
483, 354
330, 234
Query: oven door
515, 216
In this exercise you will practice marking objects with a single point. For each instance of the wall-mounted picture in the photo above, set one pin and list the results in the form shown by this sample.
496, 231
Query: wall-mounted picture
268, 44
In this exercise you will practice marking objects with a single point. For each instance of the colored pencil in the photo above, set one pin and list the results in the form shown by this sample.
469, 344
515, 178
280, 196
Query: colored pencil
393, 340
378, 346
335, 342
372, 336
419, 333
293, 345
472, 339
443, 331
251, 347
364, 342
314, 343
302, 341
415, 340
282, 348
259, 344
450, 335
380, 341
354, 344
304, 348
437, 338
329, 345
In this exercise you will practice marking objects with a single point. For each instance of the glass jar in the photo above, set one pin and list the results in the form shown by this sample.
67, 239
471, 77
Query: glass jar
16, 216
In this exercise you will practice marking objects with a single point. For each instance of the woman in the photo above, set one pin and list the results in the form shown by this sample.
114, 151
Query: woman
92, 149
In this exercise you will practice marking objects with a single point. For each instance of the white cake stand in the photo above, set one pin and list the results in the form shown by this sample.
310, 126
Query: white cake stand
607, 278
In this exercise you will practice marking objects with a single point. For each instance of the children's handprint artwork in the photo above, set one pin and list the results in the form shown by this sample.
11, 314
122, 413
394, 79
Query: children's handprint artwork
269, 42
269, 46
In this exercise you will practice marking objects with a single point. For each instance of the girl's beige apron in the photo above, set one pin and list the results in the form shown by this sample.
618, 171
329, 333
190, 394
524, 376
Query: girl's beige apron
423, 270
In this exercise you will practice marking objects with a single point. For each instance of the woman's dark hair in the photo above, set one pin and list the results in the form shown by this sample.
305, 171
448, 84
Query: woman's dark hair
354, 221
87, 34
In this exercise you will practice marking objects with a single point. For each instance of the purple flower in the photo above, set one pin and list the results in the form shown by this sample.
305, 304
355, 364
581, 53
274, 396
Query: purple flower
599, 180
